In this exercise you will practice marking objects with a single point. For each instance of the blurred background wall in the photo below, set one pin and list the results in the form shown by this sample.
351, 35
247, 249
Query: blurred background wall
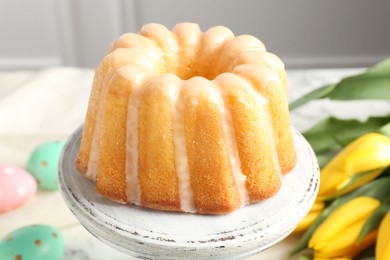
304, 33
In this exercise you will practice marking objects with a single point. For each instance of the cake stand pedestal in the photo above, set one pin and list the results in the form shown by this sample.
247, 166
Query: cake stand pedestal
150, 234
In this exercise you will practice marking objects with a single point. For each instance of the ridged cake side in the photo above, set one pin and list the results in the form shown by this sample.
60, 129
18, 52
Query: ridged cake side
185, 120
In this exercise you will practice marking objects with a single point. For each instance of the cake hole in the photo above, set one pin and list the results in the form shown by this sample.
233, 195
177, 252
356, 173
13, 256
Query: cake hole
200, 65
208, 69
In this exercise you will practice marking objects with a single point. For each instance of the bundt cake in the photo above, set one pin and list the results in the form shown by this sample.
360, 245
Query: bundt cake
185, 120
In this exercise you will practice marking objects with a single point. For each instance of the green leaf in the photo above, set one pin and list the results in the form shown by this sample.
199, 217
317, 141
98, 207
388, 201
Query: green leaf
318, 93
330, 135
378, 189
306, 257
382, 68
357, 180
375, 219
324, 158
372, 84
359, 88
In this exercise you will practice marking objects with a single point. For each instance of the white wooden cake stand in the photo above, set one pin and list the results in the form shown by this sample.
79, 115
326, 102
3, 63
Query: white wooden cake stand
150, 234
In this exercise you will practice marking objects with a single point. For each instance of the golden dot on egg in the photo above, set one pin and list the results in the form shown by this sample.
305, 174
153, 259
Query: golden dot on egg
38, 242
55, 235
44, 163
18, 257
9, 238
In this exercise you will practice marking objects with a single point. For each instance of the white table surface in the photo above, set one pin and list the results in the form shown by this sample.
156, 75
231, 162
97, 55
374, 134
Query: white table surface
47, 105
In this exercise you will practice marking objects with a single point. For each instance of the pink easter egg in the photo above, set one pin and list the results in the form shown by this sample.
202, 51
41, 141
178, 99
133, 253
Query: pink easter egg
16, 187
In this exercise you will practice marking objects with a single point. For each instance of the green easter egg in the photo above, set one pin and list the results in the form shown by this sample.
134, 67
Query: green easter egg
43, 164
32, 242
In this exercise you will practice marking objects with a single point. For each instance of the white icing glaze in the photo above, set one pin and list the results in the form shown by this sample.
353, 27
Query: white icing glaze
259, 57
259, 77
267, 59
92, 169
181, 158
133, 191
131, 41
215, 36
167, 57
165, 39
234, 48
187, 36
232, 150
271, 134
190, 88
211, 43
197, 86
140, 58
92, 162
260, 102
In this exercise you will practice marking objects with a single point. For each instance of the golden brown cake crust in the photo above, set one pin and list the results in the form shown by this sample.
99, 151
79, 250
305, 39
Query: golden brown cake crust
212, 181
157, 169
185, 120
111, 180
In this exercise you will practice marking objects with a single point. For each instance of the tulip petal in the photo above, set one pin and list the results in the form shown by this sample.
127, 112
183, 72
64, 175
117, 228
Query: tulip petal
378, 189
354, 182
329, 180
382, 249
350, 251
315, 211
317, 206
331, 134
306, 222
375, 219
360, 162
342, 241
355, 211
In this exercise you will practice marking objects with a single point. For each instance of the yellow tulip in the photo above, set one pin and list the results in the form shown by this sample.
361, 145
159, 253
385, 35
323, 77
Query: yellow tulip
337, 236
309, 219
368, 156
382, 249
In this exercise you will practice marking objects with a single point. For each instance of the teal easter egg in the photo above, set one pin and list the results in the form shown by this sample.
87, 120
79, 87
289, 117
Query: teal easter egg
31, 243
43, 164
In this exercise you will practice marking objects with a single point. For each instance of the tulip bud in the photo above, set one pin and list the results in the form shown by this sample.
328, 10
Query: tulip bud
358, 163
309, 219
337, 236
382, 249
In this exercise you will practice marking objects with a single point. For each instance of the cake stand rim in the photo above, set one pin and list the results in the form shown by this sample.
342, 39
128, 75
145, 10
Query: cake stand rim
86, 219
